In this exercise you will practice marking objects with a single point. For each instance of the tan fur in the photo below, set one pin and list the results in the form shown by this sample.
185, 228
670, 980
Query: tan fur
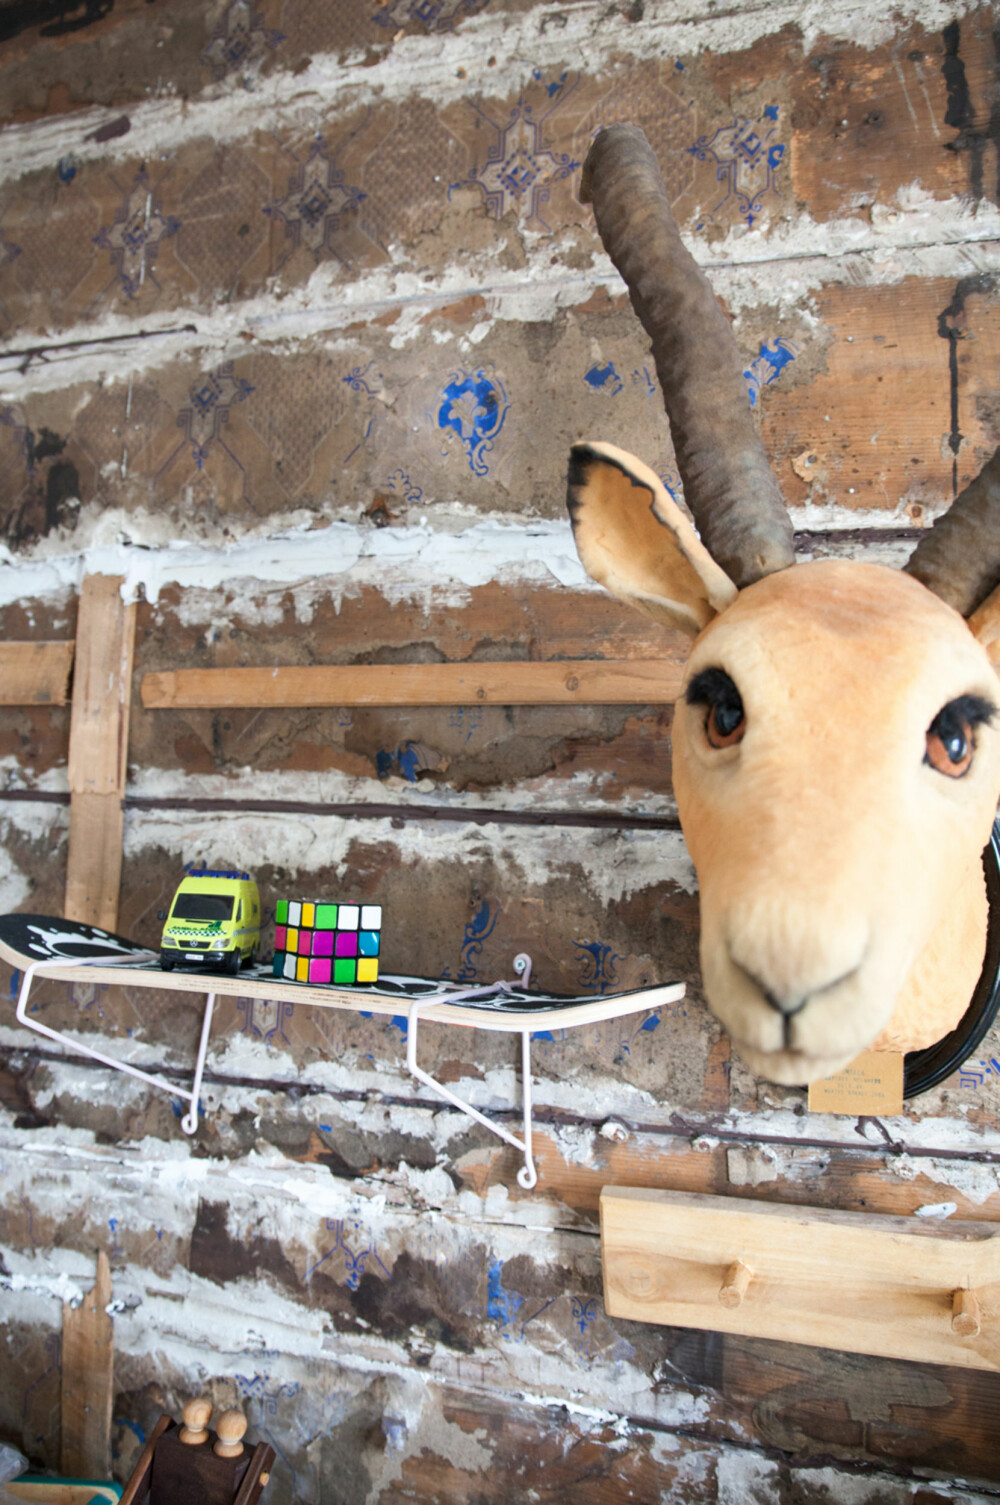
827, 850
835, 865
984, 624
942, 980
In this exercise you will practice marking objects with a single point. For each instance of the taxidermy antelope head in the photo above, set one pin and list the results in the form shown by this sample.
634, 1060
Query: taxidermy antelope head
835, 745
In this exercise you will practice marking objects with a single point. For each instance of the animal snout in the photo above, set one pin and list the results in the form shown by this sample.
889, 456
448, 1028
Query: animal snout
793, 955
790, 1004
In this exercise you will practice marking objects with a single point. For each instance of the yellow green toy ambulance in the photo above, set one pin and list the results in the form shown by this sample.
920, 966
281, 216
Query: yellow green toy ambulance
214, 919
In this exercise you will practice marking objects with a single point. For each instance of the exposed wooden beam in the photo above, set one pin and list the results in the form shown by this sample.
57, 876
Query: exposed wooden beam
579, 682
98, 750
88, 1381
35, 673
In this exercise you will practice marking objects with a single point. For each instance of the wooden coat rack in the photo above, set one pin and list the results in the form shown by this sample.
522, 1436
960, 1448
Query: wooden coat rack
899, 1287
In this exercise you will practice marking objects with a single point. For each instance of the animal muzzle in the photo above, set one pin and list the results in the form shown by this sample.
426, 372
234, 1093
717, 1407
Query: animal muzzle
802, 991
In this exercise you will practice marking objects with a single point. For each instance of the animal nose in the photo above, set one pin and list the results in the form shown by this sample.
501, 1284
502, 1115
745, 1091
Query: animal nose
782, 1005
793, 956
790, 1004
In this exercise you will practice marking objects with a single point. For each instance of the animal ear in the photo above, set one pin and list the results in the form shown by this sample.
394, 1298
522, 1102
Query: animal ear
634, 540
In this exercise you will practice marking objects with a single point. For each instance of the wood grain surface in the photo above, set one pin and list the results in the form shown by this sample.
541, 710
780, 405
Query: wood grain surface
857, 1282
35, 673
300, 313
98, 749
87, 1380
627, 682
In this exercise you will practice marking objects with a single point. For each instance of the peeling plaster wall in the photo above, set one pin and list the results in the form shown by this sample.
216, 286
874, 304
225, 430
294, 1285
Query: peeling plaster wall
299, 315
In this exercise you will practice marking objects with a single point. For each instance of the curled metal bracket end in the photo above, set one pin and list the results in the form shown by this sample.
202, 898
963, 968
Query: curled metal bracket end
527, 1176
522, 968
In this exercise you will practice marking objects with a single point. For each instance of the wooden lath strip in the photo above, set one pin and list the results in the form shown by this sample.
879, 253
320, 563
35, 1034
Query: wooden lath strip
35, 673
88, 1380
101, 688
98, 750
577, 682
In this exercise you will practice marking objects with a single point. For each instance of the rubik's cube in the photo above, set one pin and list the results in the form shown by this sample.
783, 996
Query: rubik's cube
336, 943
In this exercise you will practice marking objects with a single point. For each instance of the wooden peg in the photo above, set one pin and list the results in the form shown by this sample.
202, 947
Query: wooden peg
966, 1319
197, 1414
230, 1428
736, 1284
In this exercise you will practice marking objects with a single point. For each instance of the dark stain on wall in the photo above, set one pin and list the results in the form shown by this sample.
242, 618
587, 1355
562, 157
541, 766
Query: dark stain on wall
54, 18
959, 108
49, 501
42, 446
420, 1295
62, 485
961, 113
220, 1257
112, 129
952, 327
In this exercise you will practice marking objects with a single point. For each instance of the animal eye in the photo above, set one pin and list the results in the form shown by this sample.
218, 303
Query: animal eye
725, 721
725, 727
950, 741
950, 753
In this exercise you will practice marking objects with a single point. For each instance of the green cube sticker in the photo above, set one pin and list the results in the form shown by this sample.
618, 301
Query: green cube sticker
345, 970
281, 912
326, 916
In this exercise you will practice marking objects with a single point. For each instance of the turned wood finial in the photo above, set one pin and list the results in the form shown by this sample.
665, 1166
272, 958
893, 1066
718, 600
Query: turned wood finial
197, 1414
736, 1284
230, 1428
966, 1319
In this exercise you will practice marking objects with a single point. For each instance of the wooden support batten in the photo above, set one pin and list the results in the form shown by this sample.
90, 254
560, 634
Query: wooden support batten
35, 673
573, 682
88, 1380
98, 750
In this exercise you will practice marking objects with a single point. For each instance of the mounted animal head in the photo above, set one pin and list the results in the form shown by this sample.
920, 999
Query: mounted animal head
836, 758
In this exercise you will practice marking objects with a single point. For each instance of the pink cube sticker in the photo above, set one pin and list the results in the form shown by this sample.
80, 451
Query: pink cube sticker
319, 969
305, 939
280, 931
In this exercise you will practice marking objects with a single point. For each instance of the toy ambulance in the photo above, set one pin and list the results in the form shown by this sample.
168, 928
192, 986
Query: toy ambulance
214, 919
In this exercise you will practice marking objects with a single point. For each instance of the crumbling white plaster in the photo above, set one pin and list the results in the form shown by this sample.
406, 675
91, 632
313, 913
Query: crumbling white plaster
785, 270
410, 562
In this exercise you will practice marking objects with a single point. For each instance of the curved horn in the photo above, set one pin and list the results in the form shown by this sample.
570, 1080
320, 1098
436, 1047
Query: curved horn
959, 558
728, 484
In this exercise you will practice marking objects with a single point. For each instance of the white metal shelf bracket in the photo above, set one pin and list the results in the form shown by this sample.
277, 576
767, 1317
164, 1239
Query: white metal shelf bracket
512, 1002
189, 1122
527, 1176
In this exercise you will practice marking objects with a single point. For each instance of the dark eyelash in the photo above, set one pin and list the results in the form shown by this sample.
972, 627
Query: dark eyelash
967, 711
711, 687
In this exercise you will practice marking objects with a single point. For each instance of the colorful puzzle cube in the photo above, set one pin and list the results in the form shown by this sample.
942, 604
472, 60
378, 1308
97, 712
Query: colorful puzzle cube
330, 943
